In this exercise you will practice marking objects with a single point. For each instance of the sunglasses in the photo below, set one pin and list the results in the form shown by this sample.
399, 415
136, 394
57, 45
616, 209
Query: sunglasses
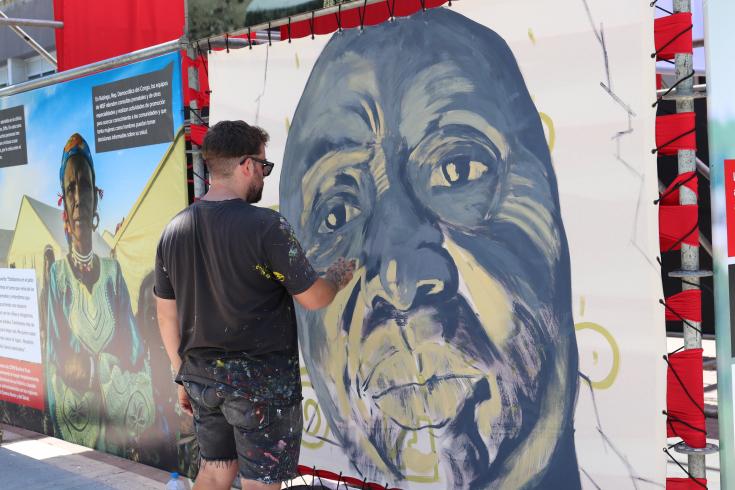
267, 166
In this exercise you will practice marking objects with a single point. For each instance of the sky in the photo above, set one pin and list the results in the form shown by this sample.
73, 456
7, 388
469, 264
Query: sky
53, 114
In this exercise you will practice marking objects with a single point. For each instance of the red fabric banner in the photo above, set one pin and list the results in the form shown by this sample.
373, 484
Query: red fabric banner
675, 132
355, 17
202, 95
688, 304
685, 484
197, 134
95, 30
670, 197
685, 398
677, 225
673, 34
346, 480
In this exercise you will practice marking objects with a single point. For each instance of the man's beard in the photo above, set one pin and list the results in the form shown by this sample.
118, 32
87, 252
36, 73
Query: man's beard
255, 193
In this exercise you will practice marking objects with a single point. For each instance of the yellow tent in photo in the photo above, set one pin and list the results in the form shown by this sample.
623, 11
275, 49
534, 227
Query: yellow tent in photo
164, 195
6, 236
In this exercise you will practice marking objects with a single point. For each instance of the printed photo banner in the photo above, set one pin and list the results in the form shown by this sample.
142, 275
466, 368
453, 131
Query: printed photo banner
91, 170
488, 166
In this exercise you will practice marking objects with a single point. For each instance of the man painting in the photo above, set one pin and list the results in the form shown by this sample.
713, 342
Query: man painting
226, 272
417, 152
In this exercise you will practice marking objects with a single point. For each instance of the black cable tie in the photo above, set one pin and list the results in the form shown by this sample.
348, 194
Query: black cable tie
653, 4
672, 40
339, 17
681, 318
676, 419
250, 40
204, 65
658, 148
672, 88
707, 288
391, 10
209, 45
681, 240
311, 24
200, 177
677, 350
194, 111
675, 188
269, 34
423, 8
684, 469
363, 14
681, 383
227, 42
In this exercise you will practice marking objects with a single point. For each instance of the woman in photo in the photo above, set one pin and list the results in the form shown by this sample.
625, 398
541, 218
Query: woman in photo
98, 380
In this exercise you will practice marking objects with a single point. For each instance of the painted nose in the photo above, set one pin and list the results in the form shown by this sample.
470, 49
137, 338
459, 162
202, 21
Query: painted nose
406, 263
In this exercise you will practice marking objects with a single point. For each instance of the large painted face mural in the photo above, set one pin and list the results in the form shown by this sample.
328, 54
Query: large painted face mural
432, 171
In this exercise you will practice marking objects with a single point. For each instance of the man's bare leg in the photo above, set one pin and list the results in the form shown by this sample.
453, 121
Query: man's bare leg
216, 475
256, 485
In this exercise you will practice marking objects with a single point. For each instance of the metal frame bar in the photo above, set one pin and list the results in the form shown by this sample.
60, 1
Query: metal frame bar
124, 59
53, 24
296, 18
30, 41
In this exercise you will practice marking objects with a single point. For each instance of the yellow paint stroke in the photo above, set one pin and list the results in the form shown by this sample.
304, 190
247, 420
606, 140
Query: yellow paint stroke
489, 411
297, 60
549, 123
608, 380
531, 36
263, 271
288, 124
422, 467
489, 298
582, 305
312, 407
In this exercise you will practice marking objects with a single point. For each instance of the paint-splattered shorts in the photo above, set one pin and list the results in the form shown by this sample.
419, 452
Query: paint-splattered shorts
262, 434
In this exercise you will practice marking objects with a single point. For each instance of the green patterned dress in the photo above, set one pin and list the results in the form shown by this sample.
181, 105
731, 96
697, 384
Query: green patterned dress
98, 380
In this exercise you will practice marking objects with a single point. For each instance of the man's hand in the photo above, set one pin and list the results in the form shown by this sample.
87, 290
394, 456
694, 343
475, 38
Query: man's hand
340, 273
184, 401
324, 290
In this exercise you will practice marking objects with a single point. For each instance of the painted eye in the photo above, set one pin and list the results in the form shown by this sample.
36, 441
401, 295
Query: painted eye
456, 172
338, 216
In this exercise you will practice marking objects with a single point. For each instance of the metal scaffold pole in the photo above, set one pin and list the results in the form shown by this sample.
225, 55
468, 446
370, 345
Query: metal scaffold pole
196, 155
690, 273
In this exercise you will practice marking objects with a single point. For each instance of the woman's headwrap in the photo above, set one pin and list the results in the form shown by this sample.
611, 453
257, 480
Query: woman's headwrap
75, 146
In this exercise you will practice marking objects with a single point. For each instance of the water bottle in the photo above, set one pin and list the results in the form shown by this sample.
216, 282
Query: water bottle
174, 483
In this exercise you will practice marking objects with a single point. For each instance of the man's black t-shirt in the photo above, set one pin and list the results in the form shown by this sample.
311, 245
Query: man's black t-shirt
232, 268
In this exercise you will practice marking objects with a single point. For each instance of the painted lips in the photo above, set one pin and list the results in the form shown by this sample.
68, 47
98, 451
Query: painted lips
418, 379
